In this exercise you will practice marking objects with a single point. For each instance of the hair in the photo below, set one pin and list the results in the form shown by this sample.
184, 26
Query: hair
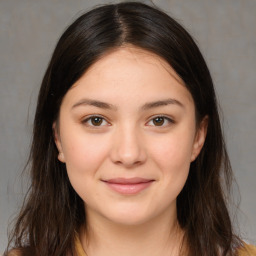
52, 211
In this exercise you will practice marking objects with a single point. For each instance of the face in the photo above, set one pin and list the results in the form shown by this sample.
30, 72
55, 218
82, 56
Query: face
127, 134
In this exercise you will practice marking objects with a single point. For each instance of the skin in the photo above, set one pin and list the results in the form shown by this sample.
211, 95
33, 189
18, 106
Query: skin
128, 142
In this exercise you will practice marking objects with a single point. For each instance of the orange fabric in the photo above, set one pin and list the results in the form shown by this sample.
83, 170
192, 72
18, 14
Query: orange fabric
247, 250
79, 249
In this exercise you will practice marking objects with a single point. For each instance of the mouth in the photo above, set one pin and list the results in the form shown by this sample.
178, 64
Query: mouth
129, 186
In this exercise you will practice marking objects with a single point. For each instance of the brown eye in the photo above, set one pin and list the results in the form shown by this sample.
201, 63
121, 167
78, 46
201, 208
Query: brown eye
96, 121
158, 121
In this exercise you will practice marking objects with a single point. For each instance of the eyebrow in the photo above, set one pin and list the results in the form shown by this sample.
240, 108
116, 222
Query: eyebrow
108, 106
95, 103
161, 103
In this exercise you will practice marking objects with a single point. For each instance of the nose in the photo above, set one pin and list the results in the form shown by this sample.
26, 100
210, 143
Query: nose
128, 148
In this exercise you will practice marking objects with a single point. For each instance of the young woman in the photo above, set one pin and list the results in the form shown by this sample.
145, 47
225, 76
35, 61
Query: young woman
128, 156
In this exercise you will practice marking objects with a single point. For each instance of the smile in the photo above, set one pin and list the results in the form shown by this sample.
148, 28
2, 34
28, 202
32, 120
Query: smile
128, 186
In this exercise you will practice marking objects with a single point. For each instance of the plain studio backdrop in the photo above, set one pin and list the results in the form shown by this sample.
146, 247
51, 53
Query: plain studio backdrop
225, 31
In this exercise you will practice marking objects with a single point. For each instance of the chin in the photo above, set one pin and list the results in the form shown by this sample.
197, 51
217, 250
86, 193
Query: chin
129, 216
129, 220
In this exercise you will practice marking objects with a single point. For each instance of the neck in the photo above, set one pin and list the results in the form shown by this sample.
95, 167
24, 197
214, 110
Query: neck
159, 236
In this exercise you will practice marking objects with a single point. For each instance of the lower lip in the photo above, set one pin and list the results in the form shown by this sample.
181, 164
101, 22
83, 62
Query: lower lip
129, 189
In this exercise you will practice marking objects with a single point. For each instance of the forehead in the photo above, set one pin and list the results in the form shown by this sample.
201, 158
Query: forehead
126, 56
131, 75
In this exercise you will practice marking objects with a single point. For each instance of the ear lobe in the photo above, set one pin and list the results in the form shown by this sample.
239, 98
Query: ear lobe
199, 138
58, 142
61, 157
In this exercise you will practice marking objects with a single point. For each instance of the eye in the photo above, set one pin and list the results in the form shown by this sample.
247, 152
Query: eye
160, 121
95, 121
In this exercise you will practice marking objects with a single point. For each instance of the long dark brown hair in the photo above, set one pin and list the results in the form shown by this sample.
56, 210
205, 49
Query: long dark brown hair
52, 211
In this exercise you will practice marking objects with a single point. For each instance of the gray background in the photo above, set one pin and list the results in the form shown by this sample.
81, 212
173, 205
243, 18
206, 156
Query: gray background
226, 33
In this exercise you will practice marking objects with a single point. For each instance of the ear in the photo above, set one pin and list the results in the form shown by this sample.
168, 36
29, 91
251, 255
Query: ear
57, 140
199, 138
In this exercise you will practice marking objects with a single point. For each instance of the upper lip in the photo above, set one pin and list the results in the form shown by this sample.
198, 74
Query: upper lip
134, 180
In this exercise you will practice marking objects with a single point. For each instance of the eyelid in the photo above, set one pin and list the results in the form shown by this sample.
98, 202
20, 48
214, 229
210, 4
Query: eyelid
87, 118
168, 118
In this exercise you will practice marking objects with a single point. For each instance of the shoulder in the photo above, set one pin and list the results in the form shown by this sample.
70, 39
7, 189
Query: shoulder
247, 250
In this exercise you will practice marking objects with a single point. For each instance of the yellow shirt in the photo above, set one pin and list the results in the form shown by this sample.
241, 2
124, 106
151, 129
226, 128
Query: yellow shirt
79, 248
247, 250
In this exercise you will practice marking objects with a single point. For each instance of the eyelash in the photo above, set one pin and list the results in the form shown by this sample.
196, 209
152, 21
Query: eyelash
85, 121
168, 119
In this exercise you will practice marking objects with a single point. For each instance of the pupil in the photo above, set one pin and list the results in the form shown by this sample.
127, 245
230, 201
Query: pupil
96, 121
158, 121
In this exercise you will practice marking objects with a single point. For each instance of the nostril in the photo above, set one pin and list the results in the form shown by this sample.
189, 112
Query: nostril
128, 163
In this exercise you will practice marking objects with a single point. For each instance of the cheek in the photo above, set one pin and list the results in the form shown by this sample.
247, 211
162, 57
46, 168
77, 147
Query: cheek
84, 151
172, 156
173, 151
83, 156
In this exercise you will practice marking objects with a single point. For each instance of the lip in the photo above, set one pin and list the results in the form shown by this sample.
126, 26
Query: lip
128, 186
